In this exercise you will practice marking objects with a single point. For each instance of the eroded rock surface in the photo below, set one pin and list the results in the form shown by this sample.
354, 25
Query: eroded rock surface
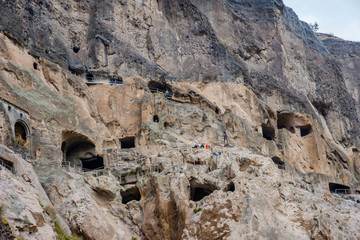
109, 100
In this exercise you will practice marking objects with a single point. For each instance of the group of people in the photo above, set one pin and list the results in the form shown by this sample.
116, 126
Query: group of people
116, 80
226, 142
201, 146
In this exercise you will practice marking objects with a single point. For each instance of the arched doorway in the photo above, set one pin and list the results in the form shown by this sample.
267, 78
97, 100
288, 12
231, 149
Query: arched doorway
21, 132
79, 151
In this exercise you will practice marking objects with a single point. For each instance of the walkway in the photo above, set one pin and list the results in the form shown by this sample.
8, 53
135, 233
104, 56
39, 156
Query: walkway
93, 81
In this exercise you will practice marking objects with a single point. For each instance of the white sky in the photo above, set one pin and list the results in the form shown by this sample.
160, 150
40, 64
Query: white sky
340, 17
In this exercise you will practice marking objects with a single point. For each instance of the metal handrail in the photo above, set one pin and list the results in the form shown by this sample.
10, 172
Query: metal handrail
157, 90
102, 81
11, 169
343, 191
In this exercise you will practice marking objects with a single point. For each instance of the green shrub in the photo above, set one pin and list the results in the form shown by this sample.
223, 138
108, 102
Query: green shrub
61, 235
2, 209
50, 212
196, 210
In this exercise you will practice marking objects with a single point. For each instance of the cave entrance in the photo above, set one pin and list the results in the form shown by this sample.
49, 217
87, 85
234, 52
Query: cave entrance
79, 151
156, 118
92, 162
268, 132
339, 188
128, 142
130, 194
200, 190
279, 162
286, 120
156, 87
305, 130
230, 187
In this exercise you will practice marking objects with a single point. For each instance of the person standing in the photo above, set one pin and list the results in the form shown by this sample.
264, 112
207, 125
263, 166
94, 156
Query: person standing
226, 141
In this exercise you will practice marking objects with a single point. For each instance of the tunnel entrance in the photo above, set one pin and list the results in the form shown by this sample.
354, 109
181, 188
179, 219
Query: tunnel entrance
279, 163
268, 132
128, 142
79, 151
199, 190
305, 130
130, 194
339, 188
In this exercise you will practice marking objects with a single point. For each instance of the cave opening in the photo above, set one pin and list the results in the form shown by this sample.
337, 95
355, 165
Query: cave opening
127, 142
79, 151
305, 130
279, 162
76, 49
92, 162
35, 65
157, 87
286, 120
130, 194
156, 118
200, 190
268, 132
339, 188
230, 187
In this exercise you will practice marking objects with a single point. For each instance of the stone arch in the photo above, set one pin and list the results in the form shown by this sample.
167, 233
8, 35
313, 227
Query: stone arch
21, 131
78, 150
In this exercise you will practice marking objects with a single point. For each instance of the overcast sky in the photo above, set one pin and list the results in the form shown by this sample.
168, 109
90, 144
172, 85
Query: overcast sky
340, 17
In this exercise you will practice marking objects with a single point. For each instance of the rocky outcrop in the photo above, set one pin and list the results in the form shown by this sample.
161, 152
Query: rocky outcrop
117, 159
25, 206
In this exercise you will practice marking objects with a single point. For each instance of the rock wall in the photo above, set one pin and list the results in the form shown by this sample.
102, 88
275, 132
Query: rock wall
191, 71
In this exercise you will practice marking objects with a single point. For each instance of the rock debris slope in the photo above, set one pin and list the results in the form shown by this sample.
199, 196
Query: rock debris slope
107, 99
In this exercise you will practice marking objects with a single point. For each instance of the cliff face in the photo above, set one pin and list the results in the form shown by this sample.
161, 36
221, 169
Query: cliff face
191, 70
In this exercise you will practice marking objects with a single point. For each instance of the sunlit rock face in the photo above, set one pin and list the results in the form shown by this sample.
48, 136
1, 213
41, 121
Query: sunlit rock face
111, 101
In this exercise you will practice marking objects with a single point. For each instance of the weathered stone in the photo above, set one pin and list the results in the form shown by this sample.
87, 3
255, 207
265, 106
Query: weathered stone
190, 71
